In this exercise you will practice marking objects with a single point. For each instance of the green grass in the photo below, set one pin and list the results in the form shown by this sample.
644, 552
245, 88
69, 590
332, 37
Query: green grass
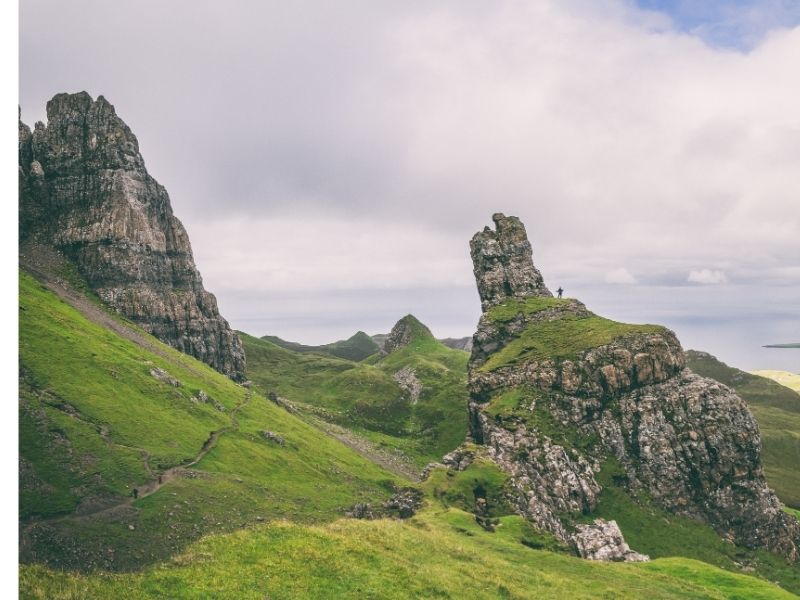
511, 308
461, 489
437, 554
777, 411
511, 407
658, 534
364, 397
563, 338
780, 437
90, 411
356, 347
506, 403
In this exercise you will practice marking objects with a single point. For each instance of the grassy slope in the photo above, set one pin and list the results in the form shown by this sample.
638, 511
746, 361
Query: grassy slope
441, 553
563, 338
80, 379
777, 410
363, 396
89, 413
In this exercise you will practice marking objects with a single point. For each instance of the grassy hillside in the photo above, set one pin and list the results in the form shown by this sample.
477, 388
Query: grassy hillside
441, 553
95, 423
563, 338
356, 347
364, 396
777, 410
241, 514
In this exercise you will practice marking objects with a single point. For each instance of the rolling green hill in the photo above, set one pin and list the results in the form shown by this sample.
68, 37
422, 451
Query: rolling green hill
357, 347
777, 410
105, 408
442, 552
104, 412
365, 397
439, 554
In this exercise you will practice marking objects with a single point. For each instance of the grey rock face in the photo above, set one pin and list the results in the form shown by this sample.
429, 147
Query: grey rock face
405, 503
602, 540
84, 189
687, 442
503, 263
464, 343
407, 379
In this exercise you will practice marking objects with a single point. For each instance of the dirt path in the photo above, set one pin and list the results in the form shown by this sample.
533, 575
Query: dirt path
148, 488
153, 486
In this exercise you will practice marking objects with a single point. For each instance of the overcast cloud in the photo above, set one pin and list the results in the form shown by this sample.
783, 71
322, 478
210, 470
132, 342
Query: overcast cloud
331, 160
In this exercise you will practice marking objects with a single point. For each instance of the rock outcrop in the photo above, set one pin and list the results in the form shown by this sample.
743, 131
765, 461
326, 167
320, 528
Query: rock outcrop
408, 381
502, 263
563, 400
602, 540
464, 343
404, 332
84, 190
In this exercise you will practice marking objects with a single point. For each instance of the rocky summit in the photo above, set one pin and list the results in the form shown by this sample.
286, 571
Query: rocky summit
85, 191
562, 400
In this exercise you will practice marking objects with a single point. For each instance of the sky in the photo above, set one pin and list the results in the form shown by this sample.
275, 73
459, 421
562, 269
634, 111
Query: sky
331, 161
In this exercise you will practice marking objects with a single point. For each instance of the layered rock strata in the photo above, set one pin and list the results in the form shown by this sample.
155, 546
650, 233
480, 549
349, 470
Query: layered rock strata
562, 398
84, 190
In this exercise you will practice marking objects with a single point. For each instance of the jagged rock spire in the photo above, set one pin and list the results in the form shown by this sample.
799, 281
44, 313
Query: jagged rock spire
84, 190
503, 263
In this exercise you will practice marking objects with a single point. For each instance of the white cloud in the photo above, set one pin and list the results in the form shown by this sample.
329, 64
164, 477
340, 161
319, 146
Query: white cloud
707, 276
313, 254
394, 130
620, 276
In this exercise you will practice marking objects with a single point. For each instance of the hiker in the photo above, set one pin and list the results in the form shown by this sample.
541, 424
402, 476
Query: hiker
560, 291
160, 481
135, 493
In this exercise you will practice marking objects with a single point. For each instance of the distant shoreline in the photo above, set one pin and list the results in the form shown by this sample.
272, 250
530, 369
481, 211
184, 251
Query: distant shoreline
782, 346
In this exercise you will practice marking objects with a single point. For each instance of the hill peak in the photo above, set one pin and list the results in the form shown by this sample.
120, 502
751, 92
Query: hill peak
358, 335
405, 331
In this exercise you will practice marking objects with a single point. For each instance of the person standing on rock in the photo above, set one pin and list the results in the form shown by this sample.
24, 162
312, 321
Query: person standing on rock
560, 291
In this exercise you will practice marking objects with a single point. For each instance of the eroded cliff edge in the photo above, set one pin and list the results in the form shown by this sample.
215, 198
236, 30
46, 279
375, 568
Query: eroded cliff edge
559, 395
85, 191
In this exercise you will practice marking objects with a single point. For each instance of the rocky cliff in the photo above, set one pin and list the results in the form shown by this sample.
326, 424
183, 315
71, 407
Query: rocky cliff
502, 263
560, 395
85, 191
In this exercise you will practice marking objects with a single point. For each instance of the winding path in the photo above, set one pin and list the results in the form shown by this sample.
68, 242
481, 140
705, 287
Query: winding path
145, 490
41, 263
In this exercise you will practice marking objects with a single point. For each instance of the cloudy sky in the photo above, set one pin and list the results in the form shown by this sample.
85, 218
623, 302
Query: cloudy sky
331, 160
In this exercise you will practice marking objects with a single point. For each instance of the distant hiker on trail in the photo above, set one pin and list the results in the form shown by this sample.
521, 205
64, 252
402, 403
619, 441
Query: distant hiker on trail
560, 291
135, 493
159, 479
